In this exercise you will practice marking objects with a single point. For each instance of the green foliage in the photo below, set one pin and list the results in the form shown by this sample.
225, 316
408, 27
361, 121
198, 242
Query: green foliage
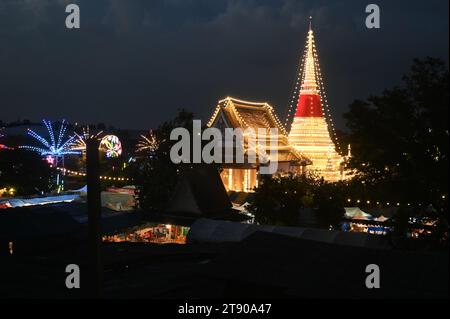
156, 175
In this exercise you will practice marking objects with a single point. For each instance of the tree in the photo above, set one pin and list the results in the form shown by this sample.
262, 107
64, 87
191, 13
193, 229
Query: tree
279, 200
400, 140
156, 176
329, 204
26, 172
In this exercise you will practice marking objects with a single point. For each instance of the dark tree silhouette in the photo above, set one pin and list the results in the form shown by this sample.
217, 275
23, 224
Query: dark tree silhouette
400, 140
27, 172
279, 200
156, 176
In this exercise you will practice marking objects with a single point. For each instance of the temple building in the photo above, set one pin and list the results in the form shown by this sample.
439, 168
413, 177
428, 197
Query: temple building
234, 113
310, 144
311, 133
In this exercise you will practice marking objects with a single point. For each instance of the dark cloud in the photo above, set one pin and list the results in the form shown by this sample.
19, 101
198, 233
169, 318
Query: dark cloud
134, 63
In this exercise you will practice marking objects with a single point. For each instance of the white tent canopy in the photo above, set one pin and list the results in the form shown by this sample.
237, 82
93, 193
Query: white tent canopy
216, 231
357, 213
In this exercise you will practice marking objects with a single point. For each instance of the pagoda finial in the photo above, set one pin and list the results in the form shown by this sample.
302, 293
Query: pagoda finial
310, 23
309, 84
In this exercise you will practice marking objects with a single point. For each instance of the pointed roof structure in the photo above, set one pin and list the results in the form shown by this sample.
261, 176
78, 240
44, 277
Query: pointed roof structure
310, 132
309, 103
246, 114
200, 191
235, 113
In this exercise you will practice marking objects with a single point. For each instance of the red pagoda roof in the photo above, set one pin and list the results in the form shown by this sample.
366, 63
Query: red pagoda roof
309, 105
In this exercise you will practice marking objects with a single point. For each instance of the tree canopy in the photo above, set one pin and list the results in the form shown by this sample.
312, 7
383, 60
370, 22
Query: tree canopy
156, 176
24, 171
400, 139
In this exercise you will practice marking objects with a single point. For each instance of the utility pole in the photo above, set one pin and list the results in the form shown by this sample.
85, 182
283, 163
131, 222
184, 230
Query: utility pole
94, 218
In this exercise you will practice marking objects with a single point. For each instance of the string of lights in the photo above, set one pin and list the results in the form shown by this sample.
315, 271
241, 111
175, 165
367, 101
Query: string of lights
292, 104
230, 102
325, 105
82, 174
312, 130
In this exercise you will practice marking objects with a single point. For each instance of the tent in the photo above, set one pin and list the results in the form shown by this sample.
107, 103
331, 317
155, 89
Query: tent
386, 212
219, 231
82, 191
381, 219
200, 191
23, 202
357, 214
118, 201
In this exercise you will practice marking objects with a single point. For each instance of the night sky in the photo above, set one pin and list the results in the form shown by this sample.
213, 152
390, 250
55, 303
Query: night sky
133, 63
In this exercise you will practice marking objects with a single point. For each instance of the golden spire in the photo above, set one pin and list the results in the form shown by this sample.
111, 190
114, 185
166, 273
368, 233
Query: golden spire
309, 85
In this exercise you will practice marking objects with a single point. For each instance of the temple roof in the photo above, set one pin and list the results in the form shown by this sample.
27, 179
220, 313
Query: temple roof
235, 113
245, 114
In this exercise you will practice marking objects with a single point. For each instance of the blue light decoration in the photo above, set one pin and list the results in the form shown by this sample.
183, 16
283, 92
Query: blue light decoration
54, 148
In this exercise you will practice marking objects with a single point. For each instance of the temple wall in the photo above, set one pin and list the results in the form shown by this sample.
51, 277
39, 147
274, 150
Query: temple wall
239, 180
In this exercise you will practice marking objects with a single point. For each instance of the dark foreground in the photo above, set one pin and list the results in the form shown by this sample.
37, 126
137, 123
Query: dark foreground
263, 265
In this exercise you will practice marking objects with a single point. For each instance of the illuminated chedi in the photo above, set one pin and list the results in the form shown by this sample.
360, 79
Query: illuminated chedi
310, 132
